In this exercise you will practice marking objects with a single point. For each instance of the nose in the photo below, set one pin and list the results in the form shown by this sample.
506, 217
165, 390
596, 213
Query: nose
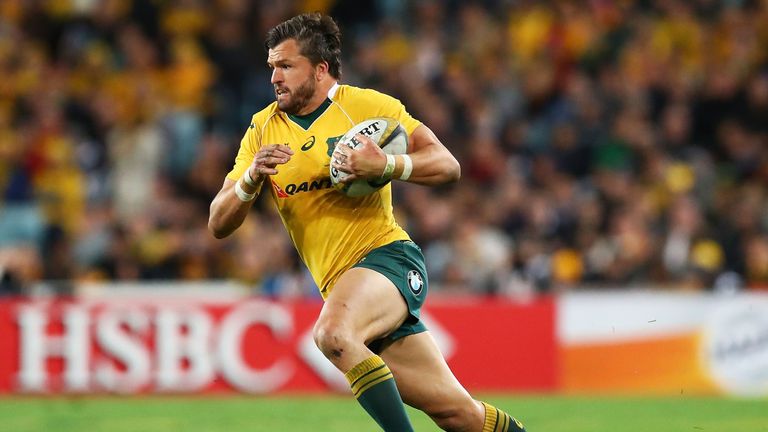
277, 77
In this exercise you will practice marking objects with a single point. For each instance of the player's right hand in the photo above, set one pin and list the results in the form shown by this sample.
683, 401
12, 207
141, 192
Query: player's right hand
367, 160
268, 157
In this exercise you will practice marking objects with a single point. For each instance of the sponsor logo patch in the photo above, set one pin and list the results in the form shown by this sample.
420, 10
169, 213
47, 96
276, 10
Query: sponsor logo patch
293, 188
415, 282
309, 144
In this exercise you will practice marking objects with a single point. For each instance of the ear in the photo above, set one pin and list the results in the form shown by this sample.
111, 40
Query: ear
321, 71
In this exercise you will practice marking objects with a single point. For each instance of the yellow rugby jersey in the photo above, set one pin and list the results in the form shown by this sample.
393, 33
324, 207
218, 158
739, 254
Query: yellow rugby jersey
331, 231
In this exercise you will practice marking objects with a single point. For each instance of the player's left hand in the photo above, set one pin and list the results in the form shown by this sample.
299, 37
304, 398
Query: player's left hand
365, 161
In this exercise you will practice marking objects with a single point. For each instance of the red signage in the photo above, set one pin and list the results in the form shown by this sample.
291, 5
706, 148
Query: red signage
253, 346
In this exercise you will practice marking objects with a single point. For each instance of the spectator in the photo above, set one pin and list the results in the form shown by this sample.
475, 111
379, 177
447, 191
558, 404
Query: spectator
603, 143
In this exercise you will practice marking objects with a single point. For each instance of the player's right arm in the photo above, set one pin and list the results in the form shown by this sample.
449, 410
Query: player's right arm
230, 206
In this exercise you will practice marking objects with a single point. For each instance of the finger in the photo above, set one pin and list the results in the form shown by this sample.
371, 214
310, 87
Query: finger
279, 159
282, 150
341, 150
269, 149
275, 149
266, 170
339, 157
266, 152
363, 139
285, 149
267, 158
342, 167
349, 178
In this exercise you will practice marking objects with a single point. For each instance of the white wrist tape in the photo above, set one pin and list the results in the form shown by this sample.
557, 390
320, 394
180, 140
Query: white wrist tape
407, 167
389, 168
248, 180
243, 195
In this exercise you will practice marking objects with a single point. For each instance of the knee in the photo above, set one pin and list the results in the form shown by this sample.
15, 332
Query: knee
332, 338
460, 417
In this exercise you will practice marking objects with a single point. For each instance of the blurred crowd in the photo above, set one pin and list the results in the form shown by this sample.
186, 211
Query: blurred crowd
603, 143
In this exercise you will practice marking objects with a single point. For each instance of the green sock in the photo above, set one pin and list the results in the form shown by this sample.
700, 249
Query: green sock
497, 420
374, 387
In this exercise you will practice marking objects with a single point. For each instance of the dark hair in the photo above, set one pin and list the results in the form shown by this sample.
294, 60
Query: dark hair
318, 36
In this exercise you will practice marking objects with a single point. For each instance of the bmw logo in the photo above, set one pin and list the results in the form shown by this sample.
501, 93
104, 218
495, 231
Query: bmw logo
415, 282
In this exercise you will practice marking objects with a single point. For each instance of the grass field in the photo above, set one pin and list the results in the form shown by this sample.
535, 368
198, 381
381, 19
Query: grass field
335, 413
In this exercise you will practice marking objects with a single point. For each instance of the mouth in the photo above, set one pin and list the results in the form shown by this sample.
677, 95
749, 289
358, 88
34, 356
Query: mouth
281, 92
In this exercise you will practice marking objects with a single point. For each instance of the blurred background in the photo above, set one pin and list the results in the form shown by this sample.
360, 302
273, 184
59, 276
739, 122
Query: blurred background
610, 227
602, 143
613, 143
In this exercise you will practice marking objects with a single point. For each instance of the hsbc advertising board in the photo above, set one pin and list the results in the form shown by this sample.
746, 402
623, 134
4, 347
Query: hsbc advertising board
577, 343
250, 346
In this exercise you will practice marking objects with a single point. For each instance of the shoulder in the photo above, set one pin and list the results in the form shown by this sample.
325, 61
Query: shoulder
362, 103
352, 94
259, 119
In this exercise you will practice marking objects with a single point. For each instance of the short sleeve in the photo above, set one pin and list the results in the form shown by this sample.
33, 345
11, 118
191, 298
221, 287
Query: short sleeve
391, 107
249, 145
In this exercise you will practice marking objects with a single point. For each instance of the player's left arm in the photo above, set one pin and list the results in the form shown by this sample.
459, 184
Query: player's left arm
431, 163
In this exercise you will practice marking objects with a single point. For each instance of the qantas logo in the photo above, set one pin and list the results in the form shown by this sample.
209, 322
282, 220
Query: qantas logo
294, 188
279, 192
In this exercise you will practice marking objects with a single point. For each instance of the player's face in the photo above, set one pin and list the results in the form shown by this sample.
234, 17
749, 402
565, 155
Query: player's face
292, 76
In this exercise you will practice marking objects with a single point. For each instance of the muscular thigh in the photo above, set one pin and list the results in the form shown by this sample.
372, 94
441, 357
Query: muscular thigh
423, 377
367, 302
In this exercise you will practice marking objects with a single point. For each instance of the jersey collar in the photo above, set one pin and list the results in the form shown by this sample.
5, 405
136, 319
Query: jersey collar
332, 90
306, 120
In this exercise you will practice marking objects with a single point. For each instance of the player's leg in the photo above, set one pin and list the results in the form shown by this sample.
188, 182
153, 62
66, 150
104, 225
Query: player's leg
427, 383
364, 305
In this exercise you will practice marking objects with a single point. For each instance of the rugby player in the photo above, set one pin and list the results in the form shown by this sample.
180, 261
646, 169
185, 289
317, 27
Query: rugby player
370, 273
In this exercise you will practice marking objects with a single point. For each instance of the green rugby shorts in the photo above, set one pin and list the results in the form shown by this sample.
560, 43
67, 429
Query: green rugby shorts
402, 263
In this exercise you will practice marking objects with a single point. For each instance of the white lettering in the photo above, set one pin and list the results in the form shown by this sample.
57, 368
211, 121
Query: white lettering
117, 334
36, 346
183, 342
231, 332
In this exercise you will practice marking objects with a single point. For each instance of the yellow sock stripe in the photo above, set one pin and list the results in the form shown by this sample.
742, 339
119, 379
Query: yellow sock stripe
366, 366
368, 376
363, 381
371, 383
491, 418
504, 421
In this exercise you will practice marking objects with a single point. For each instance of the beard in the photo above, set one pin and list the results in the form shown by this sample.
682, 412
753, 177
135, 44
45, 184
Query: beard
298, 98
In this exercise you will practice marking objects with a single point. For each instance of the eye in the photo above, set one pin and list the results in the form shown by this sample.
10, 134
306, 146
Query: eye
285, 67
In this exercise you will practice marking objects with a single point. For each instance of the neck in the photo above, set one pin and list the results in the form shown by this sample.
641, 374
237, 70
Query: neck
321, 93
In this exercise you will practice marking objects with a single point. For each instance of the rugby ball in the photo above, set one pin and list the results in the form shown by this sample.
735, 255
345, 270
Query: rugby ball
388, 134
